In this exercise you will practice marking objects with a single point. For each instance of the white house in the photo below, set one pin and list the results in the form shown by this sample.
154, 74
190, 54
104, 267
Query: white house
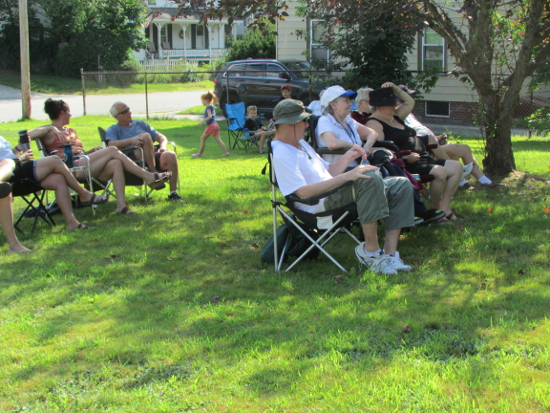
450, 98
173, 39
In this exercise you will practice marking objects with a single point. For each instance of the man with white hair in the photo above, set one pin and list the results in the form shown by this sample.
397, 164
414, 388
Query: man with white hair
139, 133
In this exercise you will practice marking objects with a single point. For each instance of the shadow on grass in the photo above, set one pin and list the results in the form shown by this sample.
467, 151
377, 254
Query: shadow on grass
145, 300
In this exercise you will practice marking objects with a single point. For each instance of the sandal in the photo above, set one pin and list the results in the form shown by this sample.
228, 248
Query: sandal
196, 155
159, 182
126, 211
165, 176
96, 200
81, 226
5, 189
452, 217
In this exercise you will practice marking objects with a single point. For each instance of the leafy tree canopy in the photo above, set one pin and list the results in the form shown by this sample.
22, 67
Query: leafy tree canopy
76, 34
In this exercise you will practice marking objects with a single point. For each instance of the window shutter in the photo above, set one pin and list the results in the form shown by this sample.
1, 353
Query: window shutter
169, 28
193, 36
206, 37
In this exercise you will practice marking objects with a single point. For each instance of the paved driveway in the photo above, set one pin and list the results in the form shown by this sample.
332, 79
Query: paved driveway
161, 102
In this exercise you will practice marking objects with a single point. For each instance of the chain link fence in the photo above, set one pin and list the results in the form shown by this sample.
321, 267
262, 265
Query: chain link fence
449, 102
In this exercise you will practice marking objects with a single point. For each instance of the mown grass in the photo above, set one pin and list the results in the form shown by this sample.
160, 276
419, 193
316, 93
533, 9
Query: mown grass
56, 85
195, 110
122, 318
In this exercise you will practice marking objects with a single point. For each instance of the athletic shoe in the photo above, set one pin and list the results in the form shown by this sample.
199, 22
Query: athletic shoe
175, 197
468, 169
397, 263
418, 221
465, 186
379, 264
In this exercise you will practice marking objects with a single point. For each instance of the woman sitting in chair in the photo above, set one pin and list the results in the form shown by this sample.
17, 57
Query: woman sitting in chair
106, 163
391, 106
337, 130
50, 173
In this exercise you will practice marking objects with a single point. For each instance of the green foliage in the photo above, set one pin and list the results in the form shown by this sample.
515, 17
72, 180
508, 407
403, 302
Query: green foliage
257, 44
372, 51
539, 122
78, 34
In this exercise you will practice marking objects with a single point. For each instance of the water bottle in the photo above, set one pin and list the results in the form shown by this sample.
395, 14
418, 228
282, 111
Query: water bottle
68, 154
24, 141
246, 132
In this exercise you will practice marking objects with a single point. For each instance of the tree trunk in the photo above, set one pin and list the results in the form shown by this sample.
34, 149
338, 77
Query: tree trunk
497, 119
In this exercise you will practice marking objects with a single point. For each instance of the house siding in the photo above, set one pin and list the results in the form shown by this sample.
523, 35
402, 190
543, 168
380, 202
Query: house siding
289, 44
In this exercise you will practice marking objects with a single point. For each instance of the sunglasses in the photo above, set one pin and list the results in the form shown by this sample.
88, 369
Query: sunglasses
124, 112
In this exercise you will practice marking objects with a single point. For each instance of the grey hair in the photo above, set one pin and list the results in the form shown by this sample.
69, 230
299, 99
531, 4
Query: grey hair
363, 93
113, 110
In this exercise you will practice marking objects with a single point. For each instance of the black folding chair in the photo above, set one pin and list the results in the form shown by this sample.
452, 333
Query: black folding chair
33, 195
318, 228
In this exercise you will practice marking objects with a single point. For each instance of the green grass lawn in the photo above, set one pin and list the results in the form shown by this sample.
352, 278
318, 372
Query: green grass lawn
68, 86
122, 318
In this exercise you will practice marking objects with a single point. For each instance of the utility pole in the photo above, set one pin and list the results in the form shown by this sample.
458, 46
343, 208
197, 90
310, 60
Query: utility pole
25, 59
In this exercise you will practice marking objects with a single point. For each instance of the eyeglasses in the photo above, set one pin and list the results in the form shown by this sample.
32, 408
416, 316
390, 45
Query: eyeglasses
124, 112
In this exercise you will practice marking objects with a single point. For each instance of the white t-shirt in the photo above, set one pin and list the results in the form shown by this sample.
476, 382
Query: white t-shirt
5, 150
420, 129
316, 107
327, 123
295, 168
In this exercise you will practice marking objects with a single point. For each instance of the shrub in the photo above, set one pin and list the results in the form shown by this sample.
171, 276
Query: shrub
258, 44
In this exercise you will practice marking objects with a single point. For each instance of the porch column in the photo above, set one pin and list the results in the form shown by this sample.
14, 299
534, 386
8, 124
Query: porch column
159, 42
184, 30
210, 28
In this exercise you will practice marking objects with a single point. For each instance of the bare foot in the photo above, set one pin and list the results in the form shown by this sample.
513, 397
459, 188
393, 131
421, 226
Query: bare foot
18, 249
87, 197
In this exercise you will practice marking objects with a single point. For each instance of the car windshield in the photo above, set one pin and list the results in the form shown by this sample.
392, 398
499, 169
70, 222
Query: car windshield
300, 69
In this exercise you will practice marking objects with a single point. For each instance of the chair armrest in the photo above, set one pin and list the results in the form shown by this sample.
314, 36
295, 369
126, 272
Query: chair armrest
314, 200
327, 151
387, 144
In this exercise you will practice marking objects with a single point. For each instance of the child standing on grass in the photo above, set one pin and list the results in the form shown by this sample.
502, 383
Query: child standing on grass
212, 127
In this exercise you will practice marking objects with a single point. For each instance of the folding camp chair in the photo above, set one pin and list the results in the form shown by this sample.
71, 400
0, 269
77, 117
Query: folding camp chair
235, 113
129, 179
33, 195
318, 228
90, 183
132, 180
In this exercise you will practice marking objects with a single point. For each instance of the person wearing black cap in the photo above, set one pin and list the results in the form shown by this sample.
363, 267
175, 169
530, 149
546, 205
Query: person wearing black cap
391, 106
301, 171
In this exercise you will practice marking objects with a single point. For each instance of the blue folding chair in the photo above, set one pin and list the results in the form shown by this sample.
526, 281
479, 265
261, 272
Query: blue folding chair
236, 113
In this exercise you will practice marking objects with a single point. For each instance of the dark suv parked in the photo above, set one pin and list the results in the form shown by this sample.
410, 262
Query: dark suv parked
258, 82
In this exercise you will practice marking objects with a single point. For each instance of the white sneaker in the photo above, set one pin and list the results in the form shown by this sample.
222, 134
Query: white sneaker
380, 264
468, 169
397, 263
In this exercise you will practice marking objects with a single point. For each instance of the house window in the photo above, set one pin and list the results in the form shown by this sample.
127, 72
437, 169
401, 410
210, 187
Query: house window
164, 33
433, 50
437, 108
317, 49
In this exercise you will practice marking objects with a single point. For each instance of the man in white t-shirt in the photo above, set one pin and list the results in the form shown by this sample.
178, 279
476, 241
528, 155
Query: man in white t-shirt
301, 171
